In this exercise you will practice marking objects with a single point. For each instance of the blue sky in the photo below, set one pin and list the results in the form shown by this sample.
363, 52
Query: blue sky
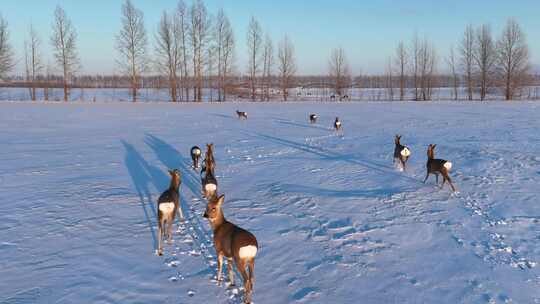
367, 30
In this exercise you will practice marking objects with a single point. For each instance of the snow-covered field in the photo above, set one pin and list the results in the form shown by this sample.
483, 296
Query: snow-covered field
336, 222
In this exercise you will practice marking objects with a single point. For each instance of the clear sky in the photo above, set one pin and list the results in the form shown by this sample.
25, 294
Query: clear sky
367, 30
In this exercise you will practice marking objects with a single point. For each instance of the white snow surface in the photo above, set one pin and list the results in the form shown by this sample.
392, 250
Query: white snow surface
335, 221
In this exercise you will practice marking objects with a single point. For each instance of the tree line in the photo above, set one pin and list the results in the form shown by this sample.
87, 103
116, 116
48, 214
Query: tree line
194, 50
479, 63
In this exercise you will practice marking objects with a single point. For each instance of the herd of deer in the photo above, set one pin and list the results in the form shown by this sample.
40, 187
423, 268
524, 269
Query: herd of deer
232, 242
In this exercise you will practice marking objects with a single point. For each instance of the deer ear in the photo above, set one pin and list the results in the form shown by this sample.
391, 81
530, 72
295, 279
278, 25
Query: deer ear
171, 173
221, 199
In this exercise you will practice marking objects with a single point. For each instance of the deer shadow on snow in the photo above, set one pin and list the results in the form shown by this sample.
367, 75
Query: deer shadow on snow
334, 156
144, 175
172, 158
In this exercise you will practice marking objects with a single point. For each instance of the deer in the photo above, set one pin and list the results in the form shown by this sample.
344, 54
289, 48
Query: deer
313, 118
401, 152
167, 207
195, 155
234, 243
337, 124
208, 178
438, 166
241, 114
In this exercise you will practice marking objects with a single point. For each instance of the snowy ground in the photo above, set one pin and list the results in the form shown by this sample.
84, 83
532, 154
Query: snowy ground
335, 221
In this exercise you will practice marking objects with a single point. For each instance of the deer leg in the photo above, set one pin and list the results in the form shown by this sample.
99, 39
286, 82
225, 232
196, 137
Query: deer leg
450, 182
169, 231
220, 266
241, 266
230, 271
436, 178
160, 234
425, 179
443, 181
251, 266
403, 164
159, 250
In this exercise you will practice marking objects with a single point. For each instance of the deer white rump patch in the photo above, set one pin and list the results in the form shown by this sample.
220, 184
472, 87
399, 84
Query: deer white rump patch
197, 152
405, 152
210, 187
166, 207
338, 123
448, 165
247, 252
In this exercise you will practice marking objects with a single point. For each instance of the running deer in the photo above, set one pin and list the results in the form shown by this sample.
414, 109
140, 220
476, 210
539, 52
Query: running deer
313, 118
168, 206
208, 178
401, 152
234, 243
337, 124
195, 155
241, 114
436, 166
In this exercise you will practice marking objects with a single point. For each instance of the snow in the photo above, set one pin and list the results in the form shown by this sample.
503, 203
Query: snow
335, 221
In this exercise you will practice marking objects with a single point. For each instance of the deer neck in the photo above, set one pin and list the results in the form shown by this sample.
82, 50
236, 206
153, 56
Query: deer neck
175, 185
218, 221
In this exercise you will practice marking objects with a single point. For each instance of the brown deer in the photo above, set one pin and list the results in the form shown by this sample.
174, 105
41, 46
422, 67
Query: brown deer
168, 206
208, 178
234, 243
241, 114
313, 118
436, 166
195, 155
401, 152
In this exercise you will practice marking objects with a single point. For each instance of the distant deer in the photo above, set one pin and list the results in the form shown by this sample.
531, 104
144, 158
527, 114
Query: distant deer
241, 114
313, 118
436, 166
401, 152
168, 206
195, 155
332, 97
234, 243
337, 124
208, 178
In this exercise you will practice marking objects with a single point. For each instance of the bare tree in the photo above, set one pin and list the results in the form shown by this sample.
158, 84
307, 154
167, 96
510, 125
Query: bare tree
199, 36
228, 60
484, 56
268, 62
339, 71
415, 60
401, 62
210, 62
286, 65
451, 61
168, 49
132, 44
224, 39
63, 41
254, 42
389, 79
47, 84
467, 58
34, 60
427, 63
513, 58
182, 28
6, 52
